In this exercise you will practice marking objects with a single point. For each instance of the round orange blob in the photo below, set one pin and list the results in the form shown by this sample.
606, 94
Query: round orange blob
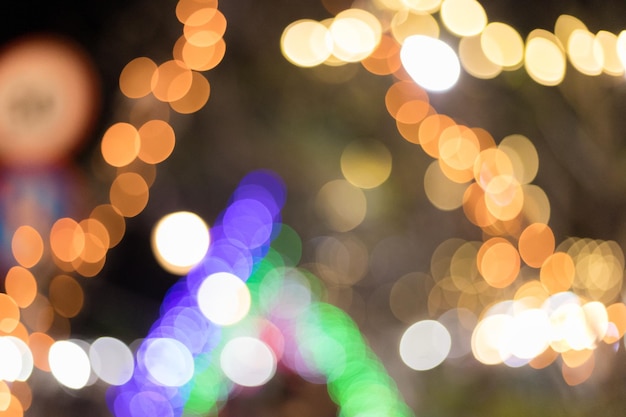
402, 92
5, 396
120, 144
430, 131
196, 97
27, 246
38, 316
557, 272
21, 390
113, 220
135, 77
617, 316
536, 244
202, 58
129, 194
171, 81
14, 408
21, 285
186, 8
498, 262
205, 28
48, 99
385, 59
67, 239
157, 141
66, 296
39, 344
475, 208
9, 313
580, 374
96, 240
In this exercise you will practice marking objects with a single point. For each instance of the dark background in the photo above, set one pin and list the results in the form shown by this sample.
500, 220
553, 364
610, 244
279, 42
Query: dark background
266, 113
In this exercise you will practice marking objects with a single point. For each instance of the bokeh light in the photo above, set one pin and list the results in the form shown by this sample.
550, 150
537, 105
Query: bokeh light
342, 205
366, 164
432, 63
463, 17
168, 361
248, 361
425, 344
179, 241
69, 364
111, 360
224, 298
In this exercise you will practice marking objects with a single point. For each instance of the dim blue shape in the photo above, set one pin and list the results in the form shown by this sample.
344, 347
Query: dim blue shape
269, 181
150, 403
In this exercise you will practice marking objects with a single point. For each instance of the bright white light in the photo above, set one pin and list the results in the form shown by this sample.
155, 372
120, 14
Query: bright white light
111, 360
431, 63
528, 334
179, 241
69, 364
425, 344
168, 362
10, 360
224, 298
248, 361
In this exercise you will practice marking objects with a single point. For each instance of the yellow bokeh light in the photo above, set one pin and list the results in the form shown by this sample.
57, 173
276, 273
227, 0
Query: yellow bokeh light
342, 205
544, 58
564, 26
306, 43
474, 60
443, 193
430, 62
366, 164
585, 54
356, 33
422, 6
502, 45
522, 155
405, 23
179, 241
27, 246
607, 42
463, 17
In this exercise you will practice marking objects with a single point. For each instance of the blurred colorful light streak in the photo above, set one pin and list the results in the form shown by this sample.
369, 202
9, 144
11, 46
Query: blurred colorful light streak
178, 368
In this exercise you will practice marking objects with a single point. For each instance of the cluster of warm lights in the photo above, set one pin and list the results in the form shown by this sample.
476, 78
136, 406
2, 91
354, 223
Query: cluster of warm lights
516, 297
485, 49
35, 312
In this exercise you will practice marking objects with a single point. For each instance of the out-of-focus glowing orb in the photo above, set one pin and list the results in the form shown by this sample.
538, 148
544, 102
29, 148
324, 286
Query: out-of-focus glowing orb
168, 361
224, 298
366, 164
111, 360
69, 364
306, 43
431, 63
48, 97
425, 345
10, 360
248, 361
179, 241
